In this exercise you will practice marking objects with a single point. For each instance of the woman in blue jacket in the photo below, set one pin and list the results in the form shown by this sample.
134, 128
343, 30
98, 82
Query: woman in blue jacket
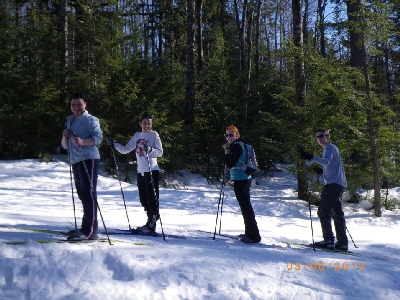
235, 155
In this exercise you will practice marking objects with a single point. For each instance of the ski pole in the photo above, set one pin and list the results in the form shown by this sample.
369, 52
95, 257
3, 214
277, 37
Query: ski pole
351, 238
155, 192
309, 204
122, 192
222, 204
72, 191
220, 216
221, 196
93, 191
72, 187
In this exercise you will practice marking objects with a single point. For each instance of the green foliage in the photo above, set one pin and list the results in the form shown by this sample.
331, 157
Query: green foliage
45, 157
334, 103
131, 59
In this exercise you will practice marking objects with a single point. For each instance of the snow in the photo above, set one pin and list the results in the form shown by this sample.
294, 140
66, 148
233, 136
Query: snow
38, 195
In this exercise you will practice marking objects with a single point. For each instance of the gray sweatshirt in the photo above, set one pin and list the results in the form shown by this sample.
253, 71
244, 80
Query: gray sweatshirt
333, 170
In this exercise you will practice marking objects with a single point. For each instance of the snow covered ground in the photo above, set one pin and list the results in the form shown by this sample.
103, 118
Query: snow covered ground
38, 195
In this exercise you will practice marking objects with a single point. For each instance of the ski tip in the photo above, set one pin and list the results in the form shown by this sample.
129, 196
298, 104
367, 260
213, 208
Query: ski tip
48, 241
15, 242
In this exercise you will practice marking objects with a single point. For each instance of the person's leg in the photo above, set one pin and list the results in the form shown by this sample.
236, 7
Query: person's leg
89, 202
340, 223
86, 183
141, 184
78, 187
77, 179
152, 187
242, 192
329, 196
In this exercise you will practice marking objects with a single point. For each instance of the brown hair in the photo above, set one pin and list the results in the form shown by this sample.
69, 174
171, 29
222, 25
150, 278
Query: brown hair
326, 132
146, 116
78, 95
234, 130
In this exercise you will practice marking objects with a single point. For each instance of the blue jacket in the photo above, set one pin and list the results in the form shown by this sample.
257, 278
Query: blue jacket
233, 161
84, 127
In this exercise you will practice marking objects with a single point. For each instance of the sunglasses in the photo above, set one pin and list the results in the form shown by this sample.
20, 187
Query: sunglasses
229, 135
317, 137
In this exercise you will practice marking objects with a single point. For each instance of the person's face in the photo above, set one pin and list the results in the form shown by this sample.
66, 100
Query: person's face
78, 106
321, 139
230, 136
146, 125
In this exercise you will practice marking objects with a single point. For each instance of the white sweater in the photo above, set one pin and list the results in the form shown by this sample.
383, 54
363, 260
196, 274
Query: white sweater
152, 139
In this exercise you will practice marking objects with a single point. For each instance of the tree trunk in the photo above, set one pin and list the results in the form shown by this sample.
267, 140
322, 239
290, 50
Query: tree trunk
358, 59
249, 54
302, 186
152, 25
321, 26
388, 72
170, 32
302, 182
257, 41
64, 28
160, 35
305, 22
298, 42
372, 134
1, 124
276, 37
241, 25
146, 34
199, 10
190, 69
357, 55
65, 49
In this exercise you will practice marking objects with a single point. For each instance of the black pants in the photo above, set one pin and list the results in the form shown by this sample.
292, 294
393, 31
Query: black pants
331, 208
149, 191
242, 192
85, 176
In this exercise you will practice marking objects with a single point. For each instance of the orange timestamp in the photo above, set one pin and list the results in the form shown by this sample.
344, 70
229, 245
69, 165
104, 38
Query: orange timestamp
322, 266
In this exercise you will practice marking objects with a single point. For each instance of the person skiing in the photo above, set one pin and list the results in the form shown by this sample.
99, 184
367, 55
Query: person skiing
148, 148
331, 196
234, 156
81, 136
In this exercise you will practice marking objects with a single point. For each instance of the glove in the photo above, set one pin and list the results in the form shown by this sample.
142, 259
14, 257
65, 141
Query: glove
145, 147
305, 155
227, 147
111, 141
318, 170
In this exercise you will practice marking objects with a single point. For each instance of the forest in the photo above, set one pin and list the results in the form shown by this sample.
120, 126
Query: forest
278, 70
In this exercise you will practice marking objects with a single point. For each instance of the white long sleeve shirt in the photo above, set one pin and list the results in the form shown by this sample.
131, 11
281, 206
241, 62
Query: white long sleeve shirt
152, 139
